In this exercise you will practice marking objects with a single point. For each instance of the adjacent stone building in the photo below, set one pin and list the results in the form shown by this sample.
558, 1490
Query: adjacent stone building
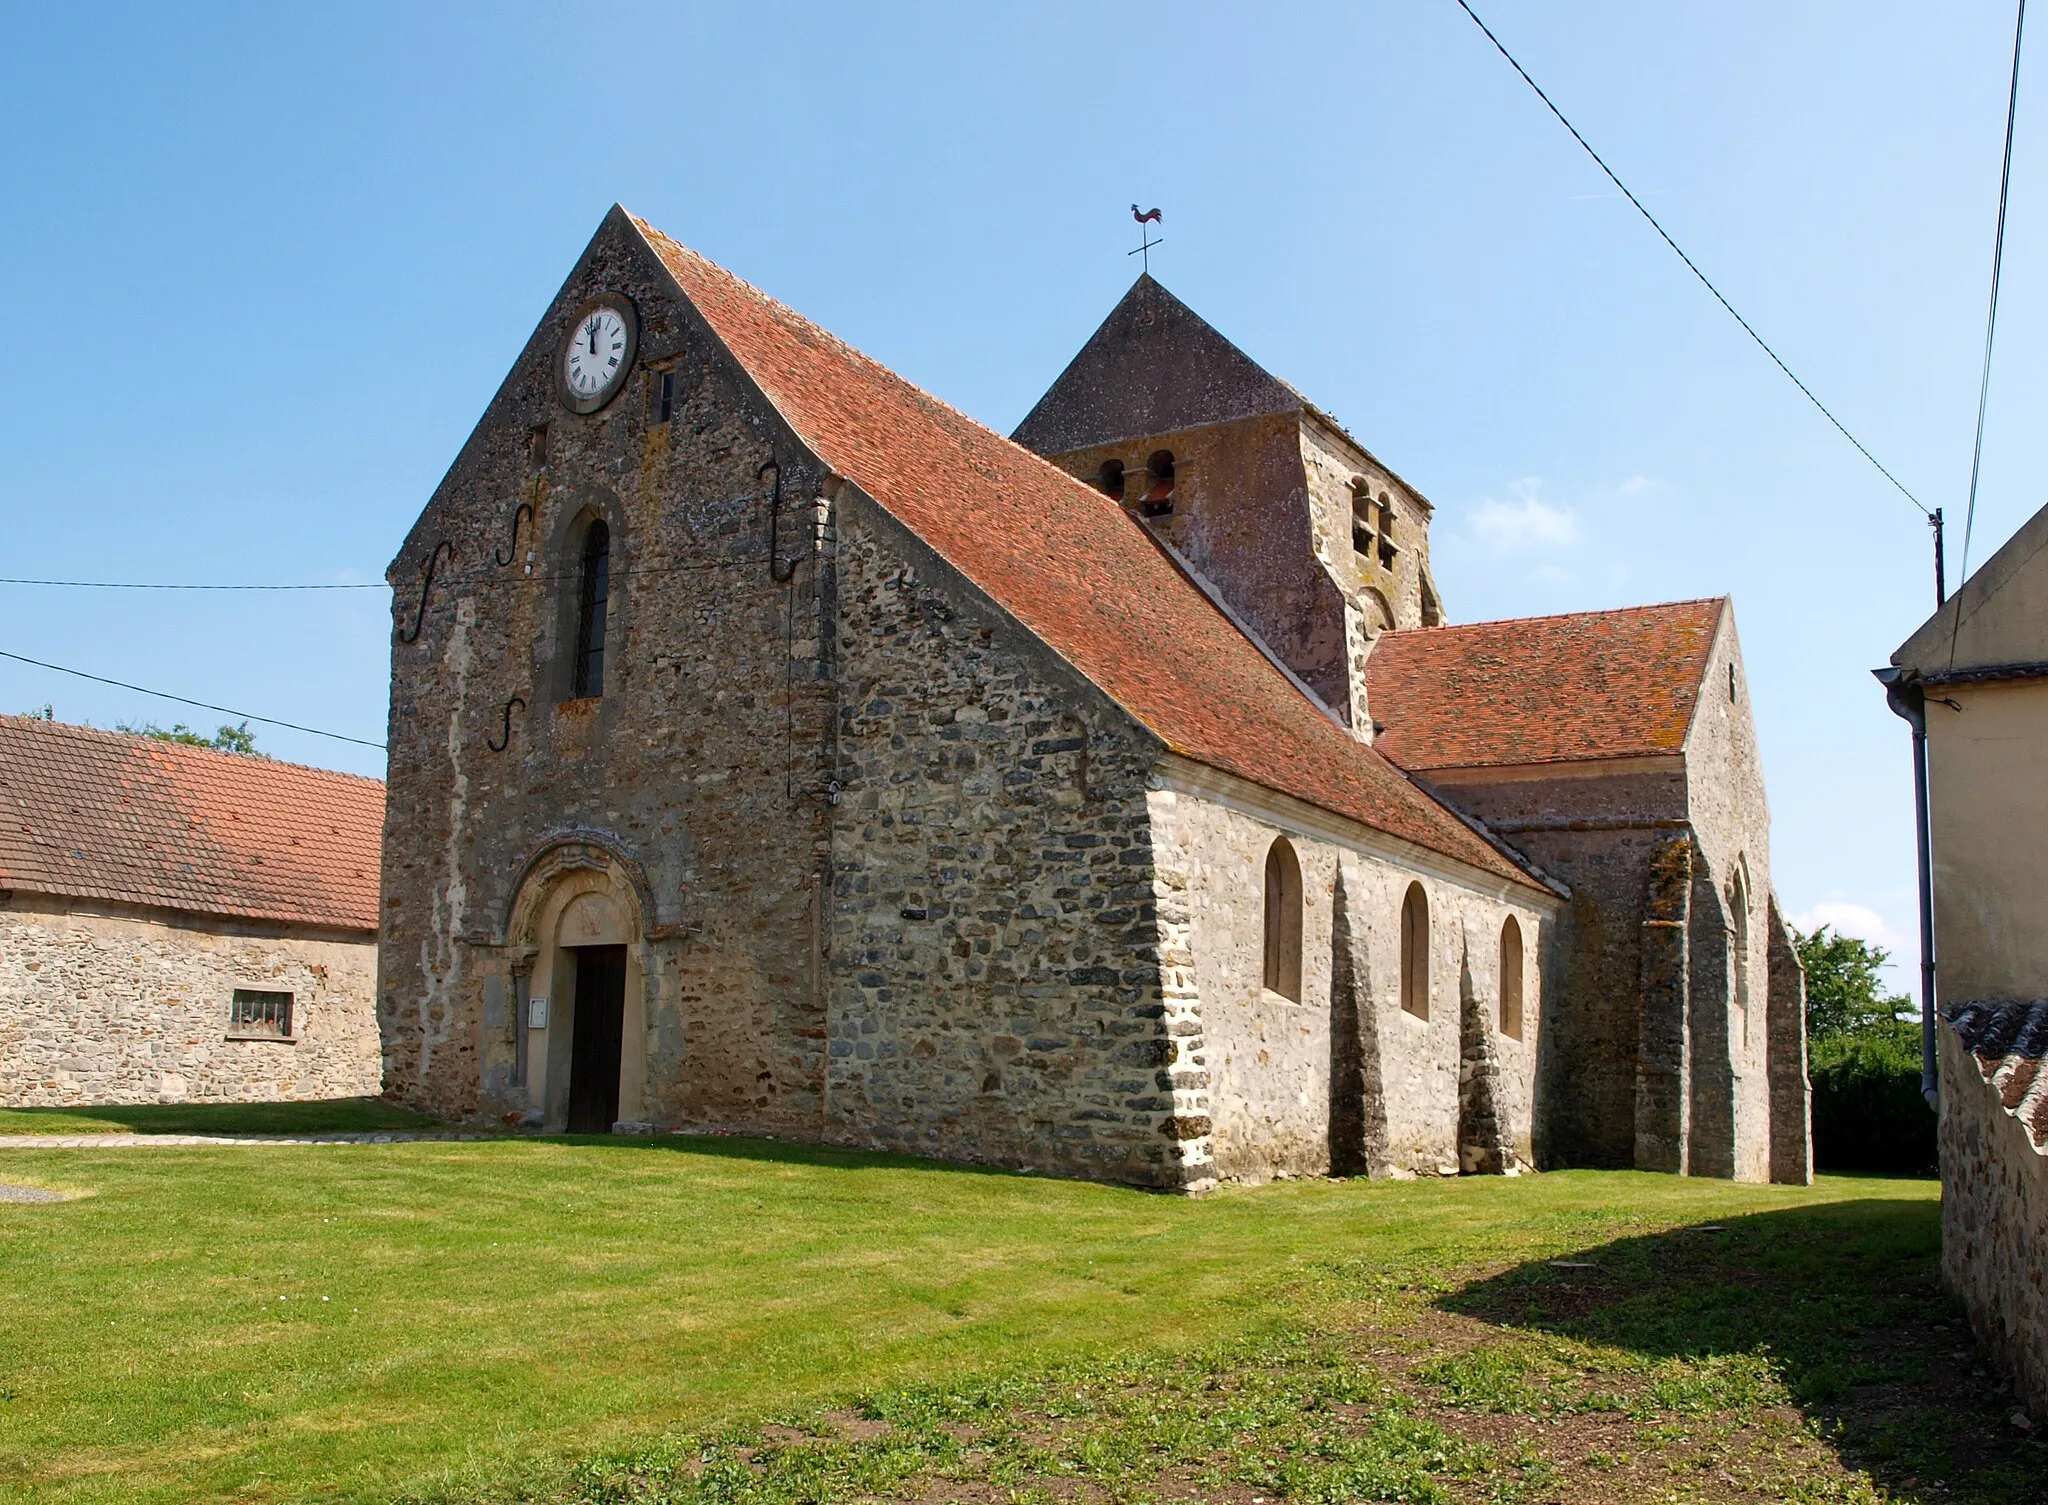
774, 748
1976, 677
180, 924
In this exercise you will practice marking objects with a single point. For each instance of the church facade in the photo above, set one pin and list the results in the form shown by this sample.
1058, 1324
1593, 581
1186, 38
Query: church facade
773, 749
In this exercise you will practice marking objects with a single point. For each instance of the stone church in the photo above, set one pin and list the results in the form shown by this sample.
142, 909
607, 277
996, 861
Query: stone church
775, 749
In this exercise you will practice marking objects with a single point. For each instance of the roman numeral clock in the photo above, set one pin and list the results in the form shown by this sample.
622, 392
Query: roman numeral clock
596, 353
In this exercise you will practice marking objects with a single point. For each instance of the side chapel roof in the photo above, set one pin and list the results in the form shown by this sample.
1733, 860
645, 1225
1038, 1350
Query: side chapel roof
1585, 685
1069, 564
88, 814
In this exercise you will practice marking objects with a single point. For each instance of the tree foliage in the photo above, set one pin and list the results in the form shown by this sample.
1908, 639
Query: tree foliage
1843, 993
231, 739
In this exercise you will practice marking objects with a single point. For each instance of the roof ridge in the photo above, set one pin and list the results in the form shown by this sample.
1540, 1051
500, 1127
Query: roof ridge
149, 743
861, 355
1566, 616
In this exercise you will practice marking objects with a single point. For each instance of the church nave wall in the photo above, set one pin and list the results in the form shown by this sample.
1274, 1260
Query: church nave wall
995, 950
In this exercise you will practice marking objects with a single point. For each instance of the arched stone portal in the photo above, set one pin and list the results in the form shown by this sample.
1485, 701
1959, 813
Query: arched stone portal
577, 933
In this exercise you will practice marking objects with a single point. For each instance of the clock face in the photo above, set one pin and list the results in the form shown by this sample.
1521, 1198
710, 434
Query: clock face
597, 354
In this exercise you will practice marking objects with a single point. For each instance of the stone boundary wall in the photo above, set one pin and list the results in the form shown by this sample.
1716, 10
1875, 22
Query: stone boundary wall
1994, 1221
123, 1009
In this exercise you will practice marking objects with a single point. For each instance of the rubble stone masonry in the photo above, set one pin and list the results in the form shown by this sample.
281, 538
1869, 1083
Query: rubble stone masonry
124, 1007
1994, 1213
888, 870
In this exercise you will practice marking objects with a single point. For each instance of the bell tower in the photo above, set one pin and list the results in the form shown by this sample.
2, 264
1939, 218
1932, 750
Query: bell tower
1290, 524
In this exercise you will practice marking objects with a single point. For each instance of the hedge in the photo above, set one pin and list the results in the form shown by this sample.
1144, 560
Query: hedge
1868, 1114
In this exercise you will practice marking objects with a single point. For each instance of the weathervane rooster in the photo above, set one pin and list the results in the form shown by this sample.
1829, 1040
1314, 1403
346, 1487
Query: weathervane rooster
1145, 241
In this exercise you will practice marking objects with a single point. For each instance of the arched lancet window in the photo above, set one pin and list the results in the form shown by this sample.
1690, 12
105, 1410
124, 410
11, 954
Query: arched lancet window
1511, 978
1283, 920
1159, 495
1111, 479
1415, 952
594, 589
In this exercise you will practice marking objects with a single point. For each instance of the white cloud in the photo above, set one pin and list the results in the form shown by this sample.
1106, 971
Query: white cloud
1856, 920
1525, 525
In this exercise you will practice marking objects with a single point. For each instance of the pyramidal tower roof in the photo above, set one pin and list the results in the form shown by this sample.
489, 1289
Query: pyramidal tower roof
1153, 367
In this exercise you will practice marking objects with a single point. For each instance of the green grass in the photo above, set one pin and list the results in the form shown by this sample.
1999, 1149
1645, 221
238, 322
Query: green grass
347, 1115
611, 1320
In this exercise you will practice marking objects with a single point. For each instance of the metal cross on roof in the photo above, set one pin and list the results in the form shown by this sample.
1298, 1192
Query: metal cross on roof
1145, 240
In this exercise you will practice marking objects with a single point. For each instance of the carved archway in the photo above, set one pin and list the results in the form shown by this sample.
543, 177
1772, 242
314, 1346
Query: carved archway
578, 891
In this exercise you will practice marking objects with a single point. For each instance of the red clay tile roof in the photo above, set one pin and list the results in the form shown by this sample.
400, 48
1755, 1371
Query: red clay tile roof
2008, 1038
1592, 684
87, 814
1068, 563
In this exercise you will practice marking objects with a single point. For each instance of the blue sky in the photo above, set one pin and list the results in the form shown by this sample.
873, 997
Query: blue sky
270, 262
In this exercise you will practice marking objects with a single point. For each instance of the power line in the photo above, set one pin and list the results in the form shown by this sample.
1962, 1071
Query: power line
469, 581
150, 585
2012, 104
1691, 265
183, 700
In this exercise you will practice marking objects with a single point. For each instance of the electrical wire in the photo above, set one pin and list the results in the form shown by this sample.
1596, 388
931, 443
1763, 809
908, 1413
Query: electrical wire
1691, 265
150, 585
203, 705
2012, 104
471, 581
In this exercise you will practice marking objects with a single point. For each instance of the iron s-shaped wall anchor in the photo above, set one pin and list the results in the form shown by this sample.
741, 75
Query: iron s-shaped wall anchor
426, 590
525, 510
505, 736
780, 570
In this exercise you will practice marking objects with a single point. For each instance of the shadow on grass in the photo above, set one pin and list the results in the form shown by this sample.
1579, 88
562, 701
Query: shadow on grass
1841, 1299
799, 1152
342, 1115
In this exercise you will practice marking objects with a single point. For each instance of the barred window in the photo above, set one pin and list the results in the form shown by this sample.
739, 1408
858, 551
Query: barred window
252, 1012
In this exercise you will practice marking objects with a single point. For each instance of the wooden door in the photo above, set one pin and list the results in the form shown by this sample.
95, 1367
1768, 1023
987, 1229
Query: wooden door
599, 1031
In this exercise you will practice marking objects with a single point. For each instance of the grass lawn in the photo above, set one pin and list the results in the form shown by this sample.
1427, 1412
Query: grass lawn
729, 1320
346, 1115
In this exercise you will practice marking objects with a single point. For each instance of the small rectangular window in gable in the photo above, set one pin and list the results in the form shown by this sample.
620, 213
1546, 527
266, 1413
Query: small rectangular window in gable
661, 396
255, 1014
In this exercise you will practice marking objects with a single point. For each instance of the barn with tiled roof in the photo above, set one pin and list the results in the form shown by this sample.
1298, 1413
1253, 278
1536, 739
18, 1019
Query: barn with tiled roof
182, 923
776, 748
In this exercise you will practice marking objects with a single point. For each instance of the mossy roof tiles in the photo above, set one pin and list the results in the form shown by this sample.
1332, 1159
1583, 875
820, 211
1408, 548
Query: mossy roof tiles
1593, 684
106, 816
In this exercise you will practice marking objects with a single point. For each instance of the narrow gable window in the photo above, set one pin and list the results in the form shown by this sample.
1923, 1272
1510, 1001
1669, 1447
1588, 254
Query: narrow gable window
594, 591
1511, 978
1415, 952
1283, 920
